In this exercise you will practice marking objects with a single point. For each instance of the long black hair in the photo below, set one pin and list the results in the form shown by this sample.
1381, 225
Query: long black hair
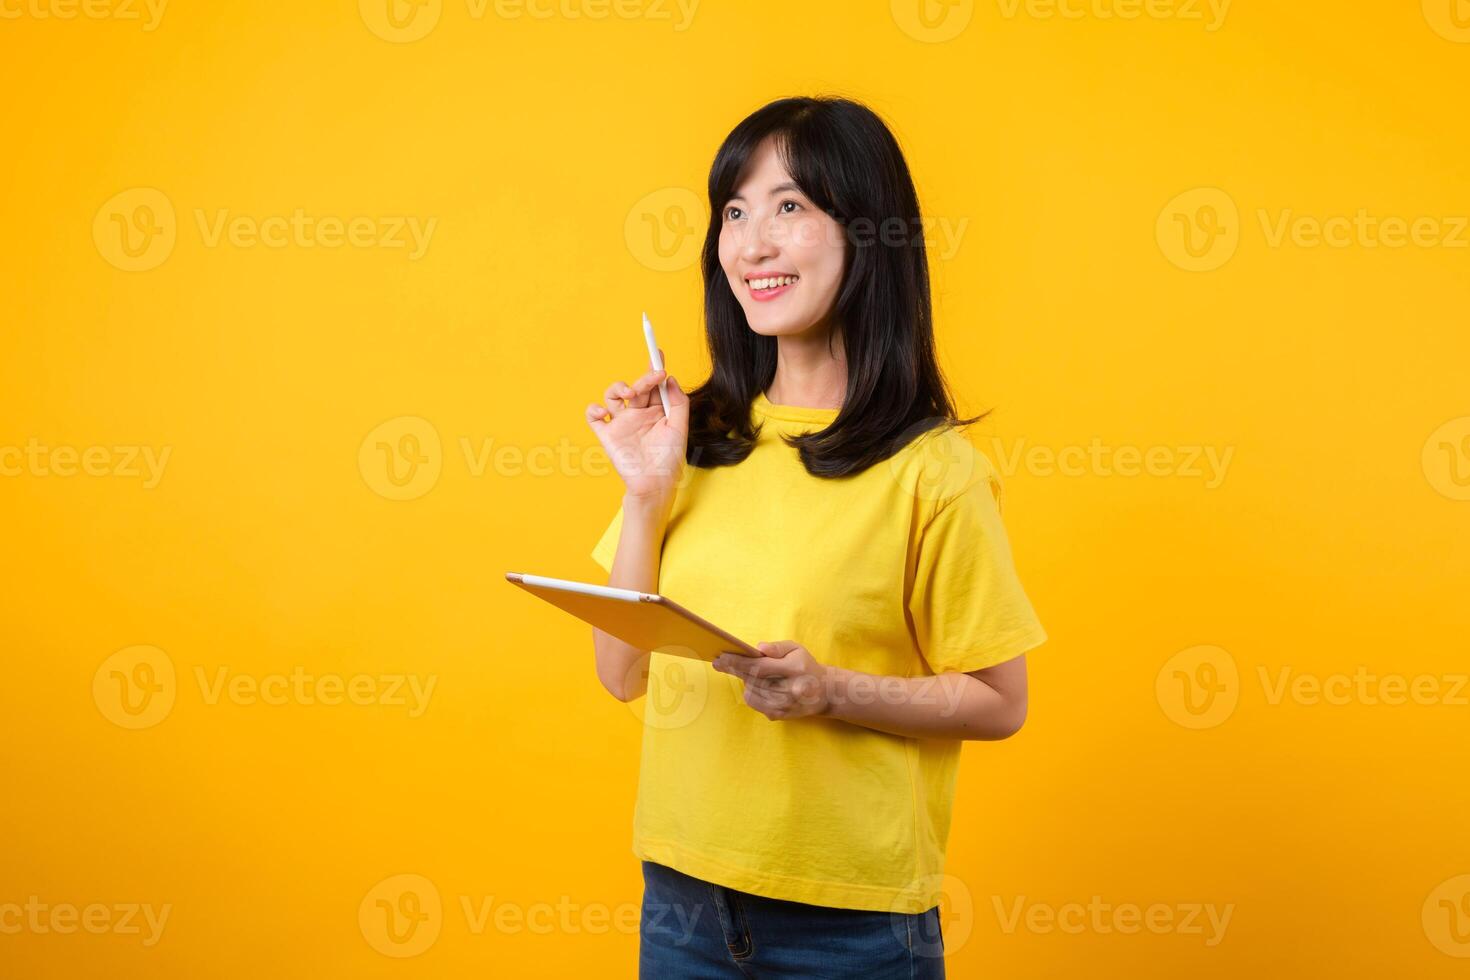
847, 163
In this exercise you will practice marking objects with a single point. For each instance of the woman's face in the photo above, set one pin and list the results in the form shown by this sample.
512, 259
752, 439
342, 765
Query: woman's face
782, 254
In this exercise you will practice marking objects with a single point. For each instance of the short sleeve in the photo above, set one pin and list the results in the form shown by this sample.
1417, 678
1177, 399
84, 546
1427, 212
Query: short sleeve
607, 548
967, 605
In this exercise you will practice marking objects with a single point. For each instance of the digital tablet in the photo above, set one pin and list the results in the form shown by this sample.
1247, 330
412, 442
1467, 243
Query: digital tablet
646, 620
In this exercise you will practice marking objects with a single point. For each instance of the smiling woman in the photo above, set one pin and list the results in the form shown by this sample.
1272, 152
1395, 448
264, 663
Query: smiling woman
813, 488
815, 194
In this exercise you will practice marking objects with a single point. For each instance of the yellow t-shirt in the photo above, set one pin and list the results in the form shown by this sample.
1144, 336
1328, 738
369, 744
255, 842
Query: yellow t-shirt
903, 569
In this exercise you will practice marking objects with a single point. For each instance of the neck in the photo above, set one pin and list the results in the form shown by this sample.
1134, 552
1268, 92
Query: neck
811, 370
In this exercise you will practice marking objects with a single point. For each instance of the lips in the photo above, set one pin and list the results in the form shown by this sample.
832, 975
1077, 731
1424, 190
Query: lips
769, 285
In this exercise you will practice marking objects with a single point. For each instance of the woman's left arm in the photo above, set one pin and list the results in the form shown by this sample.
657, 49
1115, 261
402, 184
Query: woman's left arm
788, 683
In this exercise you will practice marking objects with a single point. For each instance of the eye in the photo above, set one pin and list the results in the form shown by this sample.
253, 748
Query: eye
732, 213
788, 207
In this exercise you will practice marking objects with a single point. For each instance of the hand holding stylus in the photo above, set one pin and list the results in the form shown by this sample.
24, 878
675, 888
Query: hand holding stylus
644, 435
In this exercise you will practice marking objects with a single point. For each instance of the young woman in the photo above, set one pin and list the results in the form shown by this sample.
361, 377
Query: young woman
793, 810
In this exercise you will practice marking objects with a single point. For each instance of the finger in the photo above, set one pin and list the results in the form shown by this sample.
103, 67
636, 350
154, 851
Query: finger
613, 397
777, 648
597, 415
768, 683
729, 660
768, 668
766, 704
678, 406
747, 668
642, 396
677, 395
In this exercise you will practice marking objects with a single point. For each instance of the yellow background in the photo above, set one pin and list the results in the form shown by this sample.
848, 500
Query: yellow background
547, 149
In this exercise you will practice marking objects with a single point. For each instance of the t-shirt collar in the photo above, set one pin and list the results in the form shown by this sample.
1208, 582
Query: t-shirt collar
791, 413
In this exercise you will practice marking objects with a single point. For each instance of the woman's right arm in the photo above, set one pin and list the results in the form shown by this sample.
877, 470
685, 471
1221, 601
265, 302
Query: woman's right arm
647, 450
622, 667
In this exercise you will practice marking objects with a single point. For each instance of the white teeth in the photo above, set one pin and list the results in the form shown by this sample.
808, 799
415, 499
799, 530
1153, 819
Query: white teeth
772, 282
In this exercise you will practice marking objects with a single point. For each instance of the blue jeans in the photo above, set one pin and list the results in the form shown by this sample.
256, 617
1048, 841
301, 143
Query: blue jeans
691, 929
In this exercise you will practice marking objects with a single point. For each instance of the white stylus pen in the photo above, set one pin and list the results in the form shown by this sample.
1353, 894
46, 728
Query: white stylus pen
657, 363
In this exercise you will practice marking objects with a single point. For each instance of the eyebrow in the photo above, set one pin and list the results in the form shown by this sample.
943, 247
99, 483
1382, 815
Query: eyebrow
779, 188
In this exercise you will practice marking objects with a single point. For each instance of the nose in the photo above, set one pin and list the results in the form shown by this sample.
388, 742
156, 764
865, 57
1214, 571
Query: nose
760, 241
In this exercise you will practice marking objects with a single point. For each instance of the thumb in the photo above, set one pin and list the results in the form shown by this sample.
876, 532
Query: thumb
776, 648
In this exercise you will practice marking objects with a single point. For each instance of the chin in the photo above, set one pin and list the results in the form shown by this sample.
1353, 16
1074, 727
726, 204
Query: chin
767, 325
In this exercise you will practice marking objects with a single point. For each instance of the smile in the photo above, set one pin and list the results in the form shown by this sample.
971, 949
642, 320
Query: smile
769, 287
